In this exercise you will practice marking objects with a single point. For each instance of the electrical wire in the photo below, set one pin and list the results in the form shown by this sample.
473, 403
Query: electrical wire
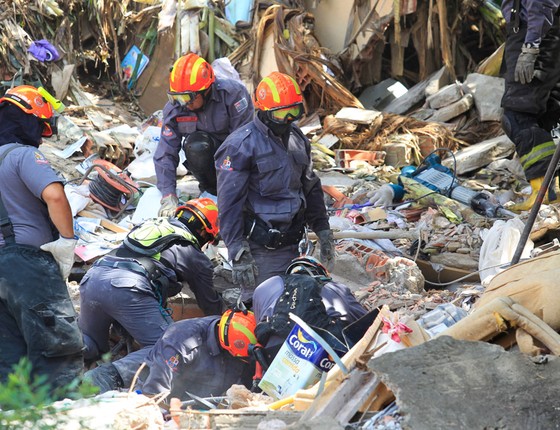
108, 195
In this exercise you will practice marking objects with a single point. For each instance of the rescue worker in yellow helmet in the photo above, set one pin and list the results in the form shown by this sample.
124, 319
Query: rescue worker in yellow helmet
202, 111
37, 319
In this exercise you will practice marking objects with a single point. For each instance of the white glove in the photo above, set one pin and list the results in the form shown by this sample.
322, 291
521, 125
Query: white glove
168, 206
383, 196
63, 252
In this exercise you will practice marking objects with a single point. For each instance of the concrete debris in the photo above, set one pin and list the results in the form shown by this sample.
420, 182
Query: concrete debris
457, 376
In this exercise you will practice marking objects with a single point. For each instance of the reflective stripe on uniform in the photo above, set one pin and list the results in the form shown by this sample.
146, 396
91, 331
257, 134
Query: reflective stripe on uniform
538, 153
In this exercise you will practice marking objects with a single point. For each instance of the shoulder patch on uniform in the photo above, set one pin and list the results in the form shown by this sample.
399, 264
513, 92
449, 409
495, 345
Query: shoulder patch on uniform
40, 158
172, 362
241, 105
166, 131
226, 164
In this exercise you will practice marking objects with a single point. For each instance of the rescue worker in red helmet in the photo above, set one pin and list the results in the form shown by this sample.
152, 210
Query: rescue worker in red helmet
202, 111
267, 189
201, 356
37, 319
130, 285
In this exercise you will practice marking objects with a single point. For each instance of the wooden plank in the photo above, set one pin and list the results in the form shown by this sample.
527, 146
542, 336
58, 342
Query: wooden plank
105, 223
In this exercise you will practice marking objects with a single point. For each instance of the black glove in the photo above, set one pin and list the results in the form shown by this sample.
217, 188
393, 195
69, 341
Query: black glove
244, 268
525, 67
326, 244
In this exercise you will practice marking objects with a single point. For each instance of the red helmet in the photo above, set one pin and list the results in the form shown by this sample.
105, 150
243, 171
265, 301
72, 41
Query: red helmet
29, 100
190, 74
236, 331
204, 210
276, 91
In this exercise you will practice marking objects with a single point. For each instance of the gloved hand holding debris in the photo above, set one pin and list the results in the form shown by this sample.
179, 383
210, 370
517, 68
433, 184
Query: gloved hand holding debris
63, 252
244, 268
326, 244
169, 205
383, 196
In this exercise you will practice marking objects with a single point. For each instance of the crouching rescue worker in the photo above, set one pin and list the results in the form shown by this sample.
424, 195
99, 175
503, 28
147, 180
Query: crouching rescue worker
531, 99
201, 356
202, 111
131, 284
308, 291
267, 189
37, 318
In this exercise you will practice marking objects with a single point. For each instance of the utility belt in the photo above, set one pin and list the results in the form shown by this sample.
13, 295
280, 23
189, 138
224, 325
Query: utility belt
143, 266
257, 231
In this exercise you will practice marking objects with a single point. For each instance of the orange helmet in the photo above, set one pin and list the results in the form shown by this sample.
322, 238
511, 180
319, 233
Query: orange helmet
276, 91
190, 74
236, 331
29, 100
204, 210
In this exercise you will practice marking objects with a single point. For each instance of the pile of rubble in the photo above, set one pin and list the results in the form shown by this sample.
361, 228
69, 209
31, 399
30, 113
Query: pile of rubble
431, 265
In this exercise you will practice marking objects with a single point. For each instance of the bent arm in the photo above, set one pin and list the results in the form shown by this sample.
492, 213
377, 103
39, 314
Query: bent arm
59, 209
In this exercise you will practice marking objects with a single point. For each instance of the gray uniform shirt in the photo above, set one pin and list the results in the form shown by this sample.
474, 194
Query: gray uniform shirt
24, 174
228, 108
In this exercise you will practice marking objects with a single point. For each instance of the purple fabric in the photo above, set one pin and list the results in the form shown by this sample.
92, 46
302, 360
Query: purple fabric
43, 51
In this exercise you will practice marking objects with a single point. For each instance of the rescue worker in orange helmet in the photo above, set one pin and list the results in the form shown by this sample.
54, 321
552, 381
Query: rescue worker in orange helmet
267, 189
202, 111
131, 285
202, 356
37, 319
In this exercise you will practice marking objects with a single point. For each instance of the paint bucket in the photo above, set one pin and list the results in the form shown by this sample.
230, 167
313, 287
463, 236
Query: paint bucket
300, 362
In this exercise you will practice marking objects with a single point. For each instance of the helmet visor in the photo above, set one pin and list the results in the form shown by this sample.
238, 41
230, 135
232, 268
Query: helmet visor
182, 99
286, 115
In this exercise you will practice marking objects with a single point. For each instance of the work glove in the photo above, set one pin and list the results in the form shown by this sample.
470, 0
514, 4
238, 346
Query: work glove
63, 252
169, 205
326, 247
383, 196
525, 67
244, 268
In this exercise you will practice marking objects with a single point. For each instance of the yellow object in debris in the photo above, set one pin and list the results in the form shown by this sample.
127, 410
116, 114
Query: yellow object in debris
286, 34
56, 104
530, 201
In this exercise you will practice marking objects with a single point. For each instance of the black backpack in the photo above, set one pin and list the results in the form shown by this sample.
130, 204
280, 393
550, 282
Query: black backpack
301, 297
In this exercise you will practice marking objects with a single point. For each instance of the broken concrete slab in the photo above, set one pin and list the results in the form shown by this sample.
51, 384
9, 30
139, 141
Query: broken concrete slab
480, 155
418, 92
487, 92
446, 96
453, 110
446, 383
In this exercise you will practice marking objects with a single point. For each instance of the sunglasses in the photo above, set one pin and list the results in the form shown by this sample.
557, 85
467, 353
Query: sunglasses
182, 99
287, 114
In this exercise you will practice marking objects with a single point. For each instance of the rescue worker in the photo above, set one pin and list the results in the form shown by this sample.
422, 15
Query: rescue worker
340, 303
202, 111
37, 318
202, 356
267, 189
131, 284
531, 99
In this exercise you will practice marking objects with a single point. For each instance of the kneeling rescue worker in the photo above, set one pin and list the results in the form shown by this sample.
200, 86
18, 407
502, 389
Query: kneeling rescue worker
37, 318
201, 356
131, 284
